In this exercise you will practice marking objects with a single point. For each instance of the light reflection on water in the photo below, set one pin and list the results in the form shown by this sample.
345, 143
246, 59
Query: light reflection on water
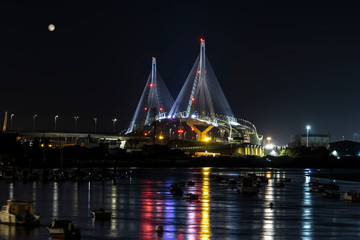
268, 220
145, 202
205, 220
307, 209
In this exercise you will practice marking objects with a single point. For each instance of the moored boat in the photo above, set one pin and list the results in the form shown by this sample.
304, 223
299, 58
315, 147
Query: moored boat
248, 186
19, 212
63, 229
352, 195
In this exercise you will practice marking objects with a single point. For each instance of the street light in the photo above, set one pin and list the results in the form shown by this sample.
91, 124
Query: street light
55, 121
307, 135
114, 121
11, 118
95, 120
34, 117
76, 118
268, 139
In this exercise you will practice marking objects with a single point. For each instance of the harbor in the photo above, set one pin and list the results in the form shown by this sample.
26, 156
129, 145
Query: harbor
142, 202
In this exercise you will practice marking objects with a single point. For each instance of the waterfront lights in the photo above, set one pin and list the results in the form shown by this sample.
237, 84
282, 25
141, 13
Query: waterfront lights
114, 121
76, 118
56, 117
307, 135
11, 118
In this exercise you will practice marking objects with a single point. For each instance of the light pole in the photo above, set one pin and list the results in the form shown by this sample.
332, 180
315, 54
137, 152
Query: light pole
307, 135
55, 122
114, 121
95, 121
76, 118
11, 118
34, 117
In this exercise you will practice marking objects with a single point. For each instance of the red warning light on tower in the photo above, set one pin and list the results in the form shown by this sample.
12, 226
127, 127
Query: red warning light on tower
193, 99
201, 39
151, 85
145, 109
161, 109
145, 134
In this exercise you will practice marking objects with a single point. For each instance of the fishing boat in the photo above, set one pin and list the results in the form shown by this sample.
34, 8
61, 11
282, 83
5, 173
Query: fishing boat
19, 212
63, 229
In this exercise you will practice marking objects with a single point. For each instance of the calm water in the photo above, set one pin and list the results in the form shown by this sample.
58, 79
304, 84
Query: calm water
141, 203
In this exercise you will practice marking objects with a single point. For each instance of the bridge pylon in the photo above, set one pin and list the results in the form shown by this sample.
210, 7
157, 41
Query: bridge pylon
154, 104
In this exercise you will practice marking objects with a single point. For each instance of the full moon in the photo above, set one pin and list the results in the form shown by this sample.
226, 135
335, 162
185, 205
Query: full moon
51, 27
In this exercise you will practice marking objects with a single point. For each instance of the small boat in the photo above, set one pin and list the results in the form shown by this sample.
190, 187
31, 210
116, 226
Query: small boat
332, 195
352, 195
63, 229
248, 186
101, 214
19, 212
192, 196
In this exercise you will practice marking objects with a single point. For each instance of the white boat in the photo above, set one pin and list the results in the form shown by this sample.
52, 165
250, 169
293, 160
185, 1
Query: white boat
63, 229
352, 195
19, 212
101, 214
248, 186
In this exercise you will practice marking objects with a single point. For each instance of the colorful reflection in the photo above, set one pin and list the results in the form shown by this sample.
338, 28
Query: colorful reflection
205, 209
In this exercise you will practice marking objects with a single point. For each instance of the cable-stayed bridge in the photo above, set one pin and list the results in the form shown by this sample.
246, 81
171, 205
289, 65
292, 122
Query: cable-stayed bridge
200, 112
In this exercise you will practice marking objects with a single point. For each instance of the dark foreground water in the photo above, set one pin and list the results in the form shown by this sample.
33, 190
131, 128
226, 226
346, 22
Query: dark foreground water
141, 203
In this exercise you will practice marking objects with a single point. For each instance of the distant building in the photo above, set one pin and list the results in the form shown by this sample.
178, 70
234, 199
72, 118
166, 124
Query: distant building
314, 140
345, 149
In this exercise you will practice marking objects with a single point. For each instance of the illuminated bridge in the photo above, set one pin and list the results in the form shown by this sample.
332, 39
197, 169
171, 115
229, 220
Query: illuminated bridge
201, 111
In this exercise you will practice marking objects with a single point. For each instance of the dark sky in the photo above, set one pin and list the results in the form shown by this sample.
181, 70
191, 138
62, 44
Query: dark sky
281, 64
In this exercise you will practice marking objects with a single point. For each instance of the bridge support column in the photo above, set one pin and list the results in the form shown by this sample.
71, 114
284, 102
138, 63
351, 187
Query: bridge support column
200, 135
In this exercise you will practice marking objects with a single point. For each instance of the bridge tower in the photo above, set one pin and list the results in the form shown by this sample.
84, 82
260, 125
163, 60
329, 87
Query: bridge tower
154, 104
201, 99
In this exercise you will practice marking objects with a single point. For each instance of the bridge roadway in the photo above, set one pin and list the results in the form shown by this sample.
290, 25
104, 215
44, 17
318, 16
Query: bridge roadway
84, 139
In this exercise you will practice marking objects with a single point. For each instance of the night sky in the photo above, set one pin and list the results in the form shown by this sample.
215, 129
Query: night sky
281, 64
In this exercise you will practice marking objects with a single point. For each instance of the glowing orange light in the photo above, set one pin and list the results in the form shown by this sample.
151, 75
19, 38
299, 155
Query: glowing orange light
161, 109
201, 39
198, 71
151, 85
192, 129
145, 109
180, 131
145, 134
193, 99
